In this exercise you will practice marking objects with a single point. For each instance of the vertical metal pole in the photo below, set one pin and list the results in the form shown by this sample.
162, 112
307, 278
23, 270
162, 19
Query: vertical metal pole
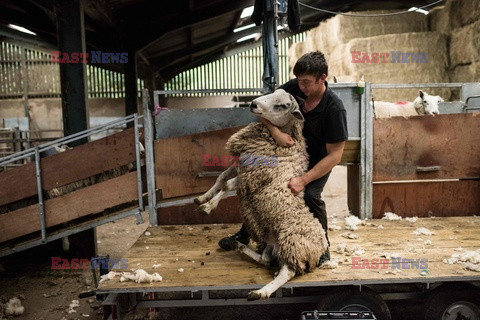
25, 86
156, 101
139, 170
362, 155
148, 129
17, 145
131, 91
40, 195
368, 154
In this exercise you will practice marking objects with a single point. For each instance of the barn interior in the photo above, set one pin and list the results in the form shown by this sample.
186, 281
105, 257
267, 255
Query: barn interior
173, 50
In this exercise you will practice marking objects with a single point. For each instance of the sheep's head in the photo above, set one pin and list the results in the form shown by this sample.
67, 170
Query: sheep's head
279, 107
427, 104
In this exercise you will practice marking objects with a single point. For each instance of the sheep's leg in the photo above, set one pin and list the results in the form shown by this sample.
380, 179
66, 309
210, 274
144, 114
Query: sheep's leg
232, 184
267, 254
226, 175
263, 258
284, 275
206, 208
212, 204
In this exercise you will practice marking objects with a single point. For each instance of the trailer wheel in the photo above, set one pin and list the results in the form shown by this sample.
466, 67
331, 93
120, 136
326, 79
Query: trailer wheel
453, 304
352, 300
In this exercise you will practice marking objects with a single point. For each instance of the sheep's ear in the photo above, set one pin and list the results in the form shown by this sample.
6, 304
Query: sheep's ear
297, 114
421, 93
440, 99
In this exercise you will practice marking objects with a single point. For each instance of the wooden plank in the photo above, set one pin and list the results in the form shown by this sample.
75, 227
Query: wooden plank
89, 159
17, 183
351, 152
178, 161
195, 249
353, 189
69, 166
457, 198
77, 204
400, 145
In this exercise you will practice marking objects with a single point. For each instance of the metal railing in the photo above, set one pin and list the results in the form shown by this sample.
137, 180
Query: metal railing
36, 152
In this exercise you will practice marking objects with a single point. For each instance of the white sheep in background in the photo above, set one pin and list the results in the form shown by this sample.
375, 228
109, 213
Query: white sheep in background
423, 104
279, 222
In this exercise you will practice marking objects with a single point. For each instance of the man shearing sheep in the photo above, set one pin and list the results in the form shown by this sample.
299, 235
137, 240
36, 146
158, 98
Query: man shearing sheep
325, 130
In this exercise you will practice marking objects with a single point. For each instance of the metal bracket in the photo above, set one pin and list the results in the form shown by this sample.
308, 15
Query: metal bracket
428, 169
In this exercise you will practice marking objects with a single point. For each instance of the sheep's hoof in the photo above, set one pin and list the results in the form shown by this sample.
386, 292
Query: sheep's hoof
256, 295
197, 201
203, 210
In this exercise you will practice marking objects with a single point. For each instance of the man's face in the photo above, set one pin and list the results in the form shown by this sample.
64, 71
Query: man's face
309, 84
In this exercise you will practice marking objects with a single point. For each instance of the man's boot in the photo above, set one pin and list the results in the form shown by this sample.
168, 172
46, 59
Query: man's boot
241, 236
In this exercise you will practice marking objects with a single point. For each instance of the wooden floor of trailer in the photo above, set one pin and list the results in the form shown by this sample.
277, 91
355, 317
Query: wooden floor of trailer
194, 249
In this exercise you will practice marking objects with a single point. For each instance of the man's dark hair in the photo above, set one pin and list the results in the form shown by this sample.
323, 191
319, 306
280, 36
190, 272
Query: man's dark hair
312, 63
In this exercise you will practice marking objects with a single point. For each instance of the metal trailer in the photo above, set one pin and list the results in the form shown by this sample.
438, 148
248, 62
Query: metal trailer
223, 279
196, 274
360, 120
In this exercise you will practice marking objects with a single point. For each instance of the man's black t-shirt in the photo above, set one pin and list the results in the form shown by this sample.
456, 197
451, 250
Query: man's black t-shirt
326, 123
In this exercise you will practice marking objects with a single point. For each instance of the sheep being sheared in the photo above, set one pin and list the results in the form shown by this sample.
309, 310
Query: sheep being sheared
279, 222
423, 104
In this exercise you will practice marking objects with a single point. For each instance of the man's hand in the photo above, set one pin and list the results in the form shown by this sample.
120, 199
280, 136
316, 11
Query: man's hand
281, 138
297, 184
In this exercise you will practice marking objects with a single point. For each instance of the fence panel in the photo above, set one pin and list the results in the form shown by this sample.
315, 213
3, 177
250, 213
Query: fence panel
243, 70
27, 73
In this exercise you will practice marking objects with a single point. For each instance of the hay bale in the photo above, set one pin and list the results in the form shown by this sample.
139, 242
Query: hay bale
297, 50
292, 54
465, 73
439, 19
465, 45
338, 62
464, 12
341, 29
433, 43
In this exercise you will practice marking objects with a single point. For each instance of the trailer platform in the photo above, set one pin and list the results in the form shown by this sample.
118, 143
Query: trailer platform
196, 272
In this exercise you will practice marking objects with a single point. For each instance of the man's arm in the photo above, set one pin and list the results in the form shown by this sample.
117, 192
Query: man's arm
281, 138
334, 156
